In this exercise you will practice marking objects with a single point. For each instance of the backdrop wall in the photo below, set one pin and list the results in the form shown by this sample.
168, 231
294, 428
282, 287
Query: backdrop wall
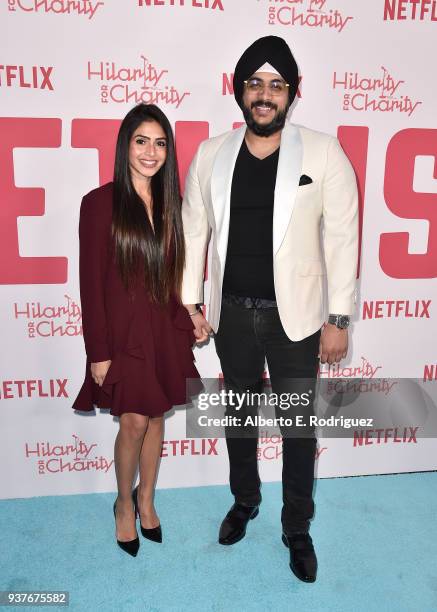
71, 70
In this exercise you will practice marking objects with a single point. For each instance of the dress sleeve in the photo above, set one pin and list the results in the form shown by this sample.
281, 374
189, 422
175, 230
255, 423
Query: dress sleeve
94, 237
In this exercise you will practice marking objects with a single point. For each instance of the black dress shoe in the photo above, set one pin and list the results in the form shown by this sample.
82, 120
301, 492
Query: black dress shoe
155, 533
131, 547
303, 560
233, 527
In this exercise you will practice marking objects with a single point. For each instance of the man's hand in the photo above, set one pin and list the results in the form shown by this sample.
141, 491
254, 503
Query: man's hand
202, 329
333, 344
99, 371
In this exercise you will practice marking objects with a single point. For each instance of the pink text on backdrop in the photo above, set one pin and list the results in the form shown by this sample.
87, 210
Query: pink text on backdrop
101, 134
24, 201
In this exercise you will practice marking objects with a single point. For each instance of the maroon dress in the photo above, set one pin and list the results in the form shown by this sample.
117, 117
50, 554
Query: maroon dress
149, 345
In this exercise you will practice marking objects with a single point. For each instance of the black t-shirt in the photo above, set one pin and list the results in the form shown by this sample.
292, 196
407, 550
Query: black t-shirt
249, 258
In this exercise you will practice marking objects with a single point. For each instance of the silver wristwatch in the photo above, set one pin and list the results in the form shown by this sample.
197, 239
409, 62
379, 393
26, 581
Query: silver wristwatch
340, 321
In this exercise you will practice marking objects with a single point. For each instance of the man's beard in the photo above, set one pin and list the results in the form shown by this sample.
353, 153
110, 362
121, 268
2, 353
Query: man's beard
275, 125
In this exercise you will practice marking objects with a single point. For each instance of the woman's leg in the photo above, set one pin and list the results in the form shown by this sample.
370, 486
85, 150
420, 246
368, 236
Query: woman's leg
149, 459
126, 457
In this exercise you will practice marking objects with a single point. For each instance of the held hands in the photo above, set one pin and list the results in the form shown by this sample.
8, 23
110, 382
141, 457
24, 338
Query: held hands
333, 341
202, 329
333, 344
99, 371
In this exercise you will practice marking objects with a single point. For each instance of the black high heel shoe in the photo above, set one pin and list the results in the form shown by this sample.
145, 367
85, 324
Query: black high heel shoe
154, 534
132, 546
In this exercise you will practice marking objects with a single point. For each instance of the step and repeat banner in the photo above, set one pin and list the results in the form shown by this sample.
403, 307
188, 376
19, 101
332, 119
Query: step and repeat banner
70, 70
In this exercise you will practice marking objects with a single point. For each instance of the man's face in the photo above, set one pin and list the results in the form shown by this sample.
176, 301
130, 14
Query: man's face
265, 103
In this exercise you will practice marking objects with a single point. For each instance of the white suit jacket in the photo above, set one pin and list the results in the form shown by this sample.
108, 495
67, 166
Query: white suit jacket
301, 256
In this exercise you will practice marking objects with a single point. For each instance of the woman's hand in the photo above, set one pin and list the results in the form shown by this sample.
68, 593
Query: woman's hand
202, 329
99, 371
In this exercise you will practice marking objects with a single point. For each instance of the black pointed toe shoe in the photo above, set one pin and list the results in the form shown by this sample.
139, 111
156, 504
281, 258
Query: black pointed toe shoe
303, 560
233, 527
155, 533
131, 547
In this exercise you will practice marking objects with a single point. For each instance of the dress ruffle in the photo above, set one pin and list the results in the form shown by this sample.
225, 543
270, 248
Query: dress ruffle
149, 374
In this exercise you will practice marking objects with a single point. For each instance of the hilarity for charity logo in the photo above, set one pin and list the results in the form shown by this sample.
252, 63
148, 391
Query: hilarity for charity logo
85, 8
126, 84
364, 93
307, 13
361, 379
364, 370
48, 321
76, 456
270, 446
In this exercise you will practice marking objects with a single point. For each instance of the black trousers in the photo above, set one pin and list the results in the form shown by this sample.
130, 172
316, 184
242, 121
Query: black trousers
246, 337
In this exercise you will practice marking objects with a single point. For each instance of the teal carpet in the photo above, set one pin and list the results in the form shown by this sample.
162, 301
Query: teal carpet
375, 538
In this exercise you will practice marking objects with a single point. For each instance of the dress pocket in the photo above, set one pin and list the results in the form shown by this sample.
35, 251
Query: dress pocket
136, 351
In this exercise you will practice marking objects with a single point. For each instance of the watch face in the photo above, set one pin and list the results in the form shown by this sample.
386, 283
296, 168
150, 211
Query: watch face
343, 322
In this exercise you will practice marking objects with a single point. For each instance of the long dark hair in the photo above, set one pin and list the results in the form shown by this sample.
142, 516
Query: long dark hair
155, 254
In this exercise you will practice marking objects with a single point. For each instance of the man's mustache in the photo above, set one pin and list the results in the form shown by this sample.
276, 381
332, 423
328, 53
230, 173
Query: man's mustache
266, 103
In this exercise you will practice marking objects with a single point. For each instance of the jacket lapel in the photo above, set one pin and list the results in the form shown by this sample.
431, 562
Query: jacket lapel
287, 181
221, 182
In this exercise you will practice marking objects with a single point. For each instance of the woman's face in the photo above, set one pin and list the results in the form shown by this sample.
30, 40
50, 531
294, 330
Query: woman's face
147, 150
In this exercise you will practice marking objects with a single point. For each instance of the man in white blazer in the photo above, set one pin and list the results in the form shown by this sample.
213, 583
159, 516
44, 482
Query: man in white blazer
277, 203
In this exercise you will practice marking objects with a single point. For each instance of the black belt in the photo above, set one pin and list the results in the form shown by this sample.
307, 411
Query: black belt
247, 302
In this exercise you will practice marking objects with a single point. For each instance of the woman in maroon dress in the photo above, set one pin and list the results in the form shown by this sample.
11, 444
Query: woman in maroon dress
138, 336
